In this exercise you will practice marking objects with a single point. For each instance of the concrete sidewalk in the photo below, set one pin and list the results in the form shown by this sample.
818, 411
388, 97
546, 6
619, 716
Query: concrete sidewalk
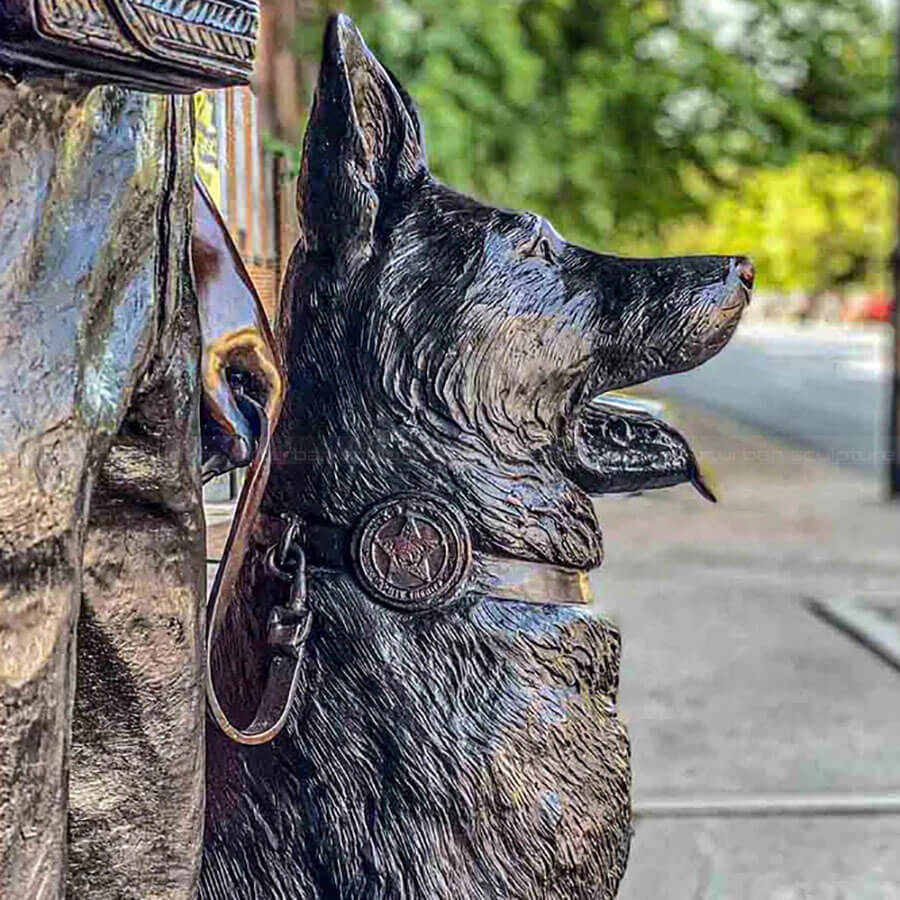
766, 743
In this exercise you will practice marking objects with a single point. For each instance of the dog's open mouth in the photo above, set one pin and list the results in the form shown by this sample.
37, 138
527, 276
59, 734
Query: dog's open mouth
617, 444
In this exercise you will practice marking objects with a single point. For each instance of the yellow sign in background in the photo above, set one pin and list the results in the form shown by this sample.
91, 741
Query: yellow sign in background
206, 145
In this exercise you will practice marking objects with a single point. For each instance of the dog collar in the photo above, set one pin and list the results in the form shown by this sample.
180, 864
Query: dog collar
411, 552
414, 552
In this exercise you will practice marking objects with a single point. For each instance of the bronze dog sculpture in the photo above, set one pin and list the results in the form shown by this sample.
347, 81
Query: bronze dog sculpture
454, 732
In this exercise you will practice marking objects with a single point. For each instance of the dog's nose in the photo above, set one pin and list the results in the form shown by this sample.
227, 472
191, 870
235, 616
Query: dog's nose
746, 271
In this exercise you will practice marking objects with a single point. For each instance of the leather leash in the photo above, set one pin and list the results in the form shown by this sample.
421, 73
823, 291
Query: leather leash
288, 626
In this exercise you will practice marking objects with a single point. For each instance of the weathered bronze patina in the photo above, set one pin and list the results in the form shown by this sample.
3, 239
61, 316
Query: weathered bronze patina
454, 731
159, 45
108, 344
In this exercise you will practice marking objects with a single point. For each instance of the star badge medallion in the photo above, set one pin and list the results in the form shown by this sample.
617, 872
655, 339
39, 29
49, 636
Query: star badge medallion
412, 551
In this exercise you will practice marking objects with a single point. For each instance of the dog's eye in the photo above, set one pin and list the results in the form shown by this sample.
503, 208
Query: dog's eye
544, 245
544, 250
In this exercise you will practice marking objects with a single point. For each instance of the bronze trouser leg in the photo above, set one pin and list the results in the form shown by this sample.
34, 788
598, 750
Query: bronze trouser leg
94, 213
137, 761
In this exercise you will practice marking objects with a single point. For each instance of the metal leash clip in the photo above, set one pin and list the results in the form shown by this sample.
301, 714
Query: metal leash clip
286, 632
288, 626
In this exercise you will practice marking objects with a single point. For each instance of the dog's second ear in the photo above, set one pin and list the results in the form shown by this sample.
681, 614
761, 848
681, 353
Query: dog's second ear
363, 147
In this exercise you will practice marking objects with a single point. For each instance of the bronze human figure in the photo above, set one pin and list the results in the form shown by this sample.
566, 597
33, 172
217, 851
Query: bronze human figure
104, 330
427, 532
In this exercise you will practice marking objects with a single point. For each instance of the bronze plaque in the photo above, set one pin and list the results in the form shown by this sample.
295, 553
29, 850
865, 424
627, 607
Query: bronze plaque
412, 551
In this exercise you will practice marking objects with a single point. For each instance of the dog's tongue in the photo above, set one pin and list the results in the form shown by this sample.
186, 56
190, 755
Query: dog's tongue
617, 445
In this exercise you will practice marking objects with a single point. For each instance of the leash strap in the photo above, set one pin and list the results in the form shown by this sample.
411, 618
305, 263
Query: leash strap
288, 626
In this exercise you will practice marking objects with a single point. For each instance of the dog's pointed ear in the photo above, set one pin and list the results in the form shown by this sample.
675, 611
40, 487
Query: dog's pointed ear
363, 146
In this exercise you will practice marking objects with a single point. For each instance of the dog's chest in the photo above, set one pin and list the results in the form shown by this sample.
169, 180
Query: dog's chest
470, 753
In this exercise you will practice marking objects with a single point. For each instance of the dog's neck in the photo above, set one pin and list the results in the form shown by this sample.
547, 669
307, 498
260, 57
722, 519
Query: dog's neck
356, 432
528, 512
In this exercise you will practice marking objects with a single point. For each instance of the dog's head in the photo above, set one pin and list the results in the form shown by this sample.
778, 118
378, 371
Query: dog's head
436, 343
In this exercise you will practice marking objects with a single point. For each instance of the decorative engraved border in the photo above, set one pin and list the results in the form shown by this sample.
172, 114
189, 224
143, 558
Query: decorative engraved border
213, 39
188, 28
171, 33
80, 22
235, 18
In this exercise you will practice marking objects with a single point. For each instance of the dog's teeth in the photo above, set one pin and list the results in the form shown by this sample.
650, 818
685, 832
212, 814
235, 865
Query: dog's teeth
701, 485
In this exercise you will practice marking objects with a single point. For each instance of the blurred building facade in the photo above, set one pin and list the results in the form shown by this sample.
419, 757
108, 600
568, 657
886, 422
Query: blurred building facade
250, 184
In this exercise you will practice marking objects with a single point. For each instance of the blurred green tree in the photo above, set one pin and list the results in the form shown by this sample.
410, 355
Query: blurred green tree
821, 224
616, 118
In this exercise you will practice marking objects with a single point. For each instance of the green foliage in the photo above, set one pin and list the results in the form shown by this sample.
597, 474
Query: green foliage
819, 224
618, 118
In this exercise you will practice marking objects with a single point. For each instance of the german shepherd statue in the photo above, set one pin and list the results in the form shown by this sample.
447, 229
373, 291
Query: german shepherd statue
454, 732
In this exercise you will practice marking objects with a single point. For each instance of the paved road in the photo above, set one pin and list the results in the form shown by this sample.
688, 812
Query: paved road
755, 724
822, 387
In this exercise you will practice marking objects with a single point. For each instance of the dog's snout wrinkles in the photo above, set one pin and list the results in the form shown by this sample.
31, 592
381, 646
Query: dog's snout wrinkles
746, 271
